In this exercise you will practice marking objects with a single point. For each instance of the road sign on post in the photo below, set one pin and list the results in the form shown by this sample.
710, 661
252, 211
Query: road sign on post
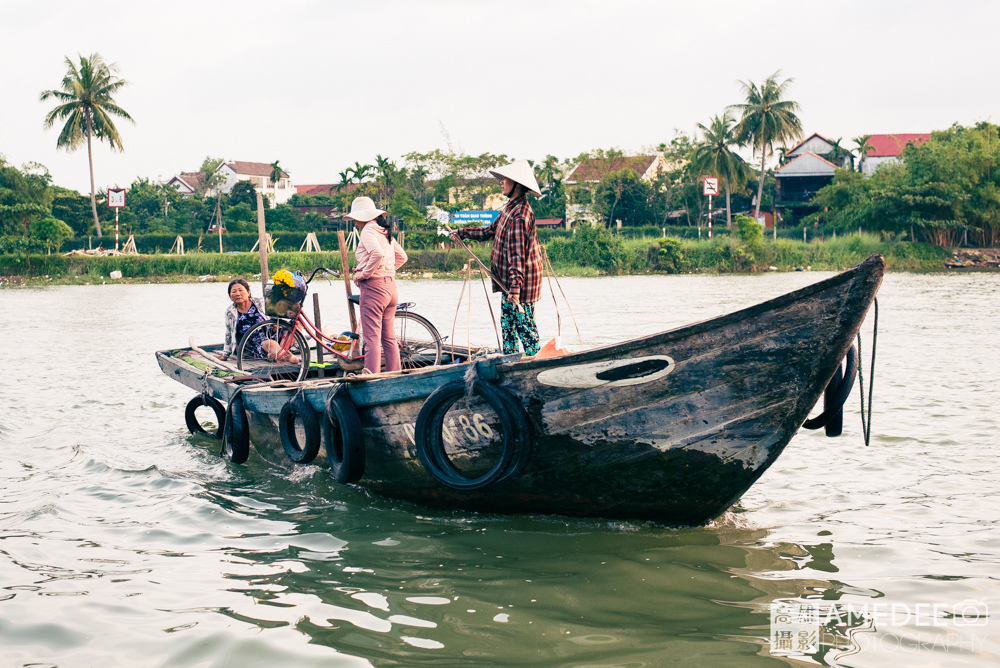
710, 186
116, 200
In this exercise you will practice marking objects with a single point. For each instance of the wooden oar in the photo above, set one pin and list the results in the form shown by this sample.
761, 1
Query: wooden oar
212, 358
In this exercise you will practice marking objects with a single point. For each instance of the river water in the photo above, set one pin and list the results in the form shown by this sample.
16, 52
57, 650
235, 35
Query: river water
124, 541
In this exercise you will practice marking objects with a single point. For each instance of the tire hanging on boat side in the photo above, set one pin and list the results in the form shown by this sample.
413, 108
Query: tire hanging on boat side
834, 397
236, 435
192, 420
517, 435
306, 452
345, 442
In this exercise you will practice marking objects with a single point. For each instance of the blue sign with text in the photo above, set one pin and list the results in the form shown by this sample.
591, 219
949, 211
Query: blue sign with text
467, 217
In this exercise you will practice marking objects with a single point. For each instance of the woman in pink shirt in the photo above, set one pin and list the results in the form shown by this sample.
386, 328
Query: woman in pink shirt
378, 256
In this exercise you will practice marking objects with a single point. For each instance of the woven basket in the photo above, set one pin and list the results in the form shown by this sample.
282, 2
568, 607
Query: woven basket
281, 301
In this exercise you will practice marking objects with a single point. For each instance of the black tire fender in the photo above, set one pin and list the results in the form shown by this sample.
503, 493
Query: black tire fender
517, 435
306, 452
835, 395
236, 436
345, 442
192, 420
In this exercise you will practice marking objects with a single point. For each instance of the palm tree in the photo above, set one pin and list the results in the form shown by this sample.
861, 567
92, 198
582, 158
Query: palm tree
276, 173
838, 155
361, 172
766, 120
548, 173
713, 156
863, 149
87, 104
345, 179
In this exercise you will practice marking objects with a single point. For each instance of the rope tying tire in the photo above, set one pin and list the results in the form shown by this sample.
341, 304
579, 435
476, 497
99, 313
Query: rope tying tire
299, 408
834, 397
345, 442
236, 435
192, 420
517, 436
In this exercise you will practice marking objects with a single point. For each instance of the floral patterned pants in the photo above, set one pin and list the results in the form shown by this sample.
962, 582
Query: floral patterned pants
518, 323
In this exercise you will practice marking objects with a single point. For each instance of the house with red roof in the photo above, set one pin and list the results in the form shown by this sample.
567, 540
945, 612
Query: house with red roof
581, 181
888, 149
257, 173
187, 183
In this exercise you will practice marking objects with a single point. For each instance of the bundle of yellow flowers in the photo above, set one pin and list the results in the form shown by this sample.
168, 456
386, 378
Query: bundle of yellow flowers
284, 277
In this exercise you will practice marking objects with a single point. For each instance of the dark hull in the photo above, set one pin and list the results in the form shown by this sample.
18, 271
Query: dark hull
679, 445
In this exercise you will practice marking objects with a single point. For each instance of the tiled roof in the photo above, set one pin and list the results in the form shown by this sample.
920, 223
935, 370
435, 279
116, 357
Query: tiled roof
800, 166
887, 146
592, 169
324, 189
549, 222
193, 179
815, 134
253, 168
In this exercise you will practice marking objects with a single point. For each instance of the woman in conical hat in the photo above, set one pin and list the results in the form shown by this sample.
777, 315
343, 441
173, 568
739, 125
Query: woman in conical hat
379, 256
516, 259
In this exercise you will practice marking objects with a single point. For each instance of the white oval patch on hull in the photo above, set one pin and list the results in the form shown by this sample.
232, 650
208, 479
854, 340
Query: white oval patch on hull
631, 371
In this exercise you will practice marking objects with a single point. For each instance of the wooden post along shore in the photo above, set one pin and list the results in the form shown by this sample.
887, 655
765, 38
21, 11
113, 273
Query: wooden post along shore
262, 243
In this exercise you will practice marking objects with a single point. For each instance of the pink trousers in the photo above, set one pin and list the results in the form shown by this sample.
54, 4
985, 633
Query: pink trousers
378, 312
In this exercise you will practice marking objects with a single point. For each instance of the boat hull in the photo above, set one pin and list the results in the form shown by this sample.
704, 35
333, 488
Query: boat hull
672, 427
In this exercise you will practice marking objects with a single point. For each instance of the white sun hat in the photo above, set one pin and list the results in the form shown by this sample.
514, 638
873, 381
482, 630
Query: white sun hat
519, 172
363, 210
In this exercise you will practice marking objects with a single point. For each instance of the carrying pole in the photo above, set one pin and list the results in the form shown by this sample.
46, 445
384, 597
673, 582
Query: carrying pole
319, 327
262, 242
345, 269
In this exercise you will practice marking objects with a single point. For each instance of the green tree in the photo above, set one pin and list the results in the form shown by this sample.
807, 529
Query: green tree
623, 195
51, 232
72, 208
767, 119
211, 178
714, 157
87, 105
24, 196
243, 191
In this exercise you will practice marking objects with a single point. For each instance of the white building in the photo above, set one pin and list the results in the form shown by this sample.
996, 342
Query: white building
888, 149
257, 173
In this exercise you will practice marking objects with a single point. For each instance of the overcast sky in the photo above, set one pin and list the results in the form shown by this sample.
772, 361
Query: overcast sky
319, 85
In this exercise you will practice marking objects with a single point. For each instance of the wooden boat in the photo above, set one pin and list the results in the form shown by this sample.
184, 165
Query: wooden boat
672, 427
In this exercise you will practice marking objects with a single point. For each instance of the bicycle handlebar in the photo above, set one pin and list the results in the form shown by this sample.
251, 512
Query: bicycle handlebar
318, 269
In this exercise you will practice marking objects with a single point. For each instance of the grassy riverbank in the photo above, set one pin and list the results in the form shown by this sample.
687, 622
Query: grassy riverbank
580, 256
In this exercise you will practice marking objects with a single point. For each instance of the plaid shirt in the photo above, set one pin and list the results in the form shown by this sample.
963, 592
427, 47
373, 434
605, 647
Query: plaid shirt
516, 258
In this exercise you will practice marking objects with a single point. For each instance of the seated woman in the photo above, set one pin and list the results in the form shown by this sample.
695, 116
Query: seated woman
242, 314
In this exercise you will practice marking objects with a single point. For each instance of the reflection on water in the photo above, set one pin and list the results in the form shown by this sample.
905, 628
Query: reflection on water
122, 537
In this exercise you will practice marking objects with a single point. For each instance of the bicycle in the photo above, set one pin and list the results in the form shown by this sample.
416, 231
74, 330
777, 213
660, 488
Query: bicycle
287, 356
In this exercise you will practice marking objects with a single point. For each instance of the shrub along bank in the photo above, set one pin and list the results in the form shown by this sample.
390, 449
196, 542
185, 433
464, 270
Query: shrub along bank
589, 252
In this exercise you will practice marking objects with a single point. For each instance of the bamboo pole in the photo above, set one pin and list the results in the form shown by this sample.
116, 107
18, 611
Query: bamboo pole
345, 269
319, 327
262, 241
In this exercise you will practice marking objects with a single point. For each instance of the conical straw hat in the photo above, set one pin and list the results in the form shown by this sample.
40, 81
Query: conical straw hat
519, 172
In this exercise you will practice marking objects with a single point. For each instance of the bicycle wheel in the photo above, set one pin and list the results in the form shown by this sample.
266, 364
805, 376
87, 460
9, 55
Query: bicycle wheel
272, 336
419, 341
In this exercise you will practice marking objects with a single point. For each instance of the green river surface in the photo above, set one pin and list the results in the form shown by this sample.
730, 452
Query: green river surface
125, 541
